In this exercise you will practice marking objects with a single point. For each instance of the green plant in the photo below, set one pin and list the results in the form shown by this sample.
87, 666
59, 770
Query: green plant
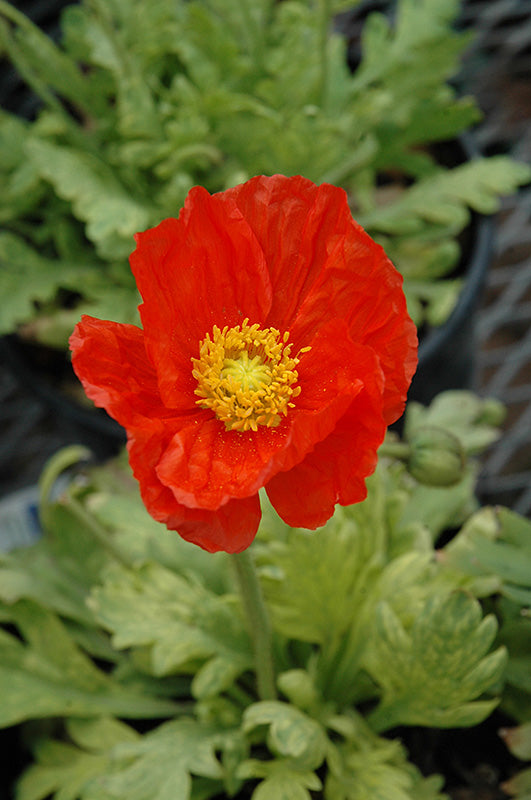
110, 620
141, 101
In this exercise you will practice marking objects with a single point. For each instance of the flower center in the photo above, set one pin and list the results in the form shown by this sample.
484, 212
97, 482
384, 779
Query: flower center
246, 376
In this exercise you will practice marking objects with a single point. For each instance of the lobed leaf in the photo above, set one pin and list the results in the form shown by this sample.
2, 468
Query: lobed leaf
282, 781
439, 666
63, 769
494, 544
28, 278
50, 676
291, 733
367, 767
443, 198
179, 619
316, 583
160, 764
98, 197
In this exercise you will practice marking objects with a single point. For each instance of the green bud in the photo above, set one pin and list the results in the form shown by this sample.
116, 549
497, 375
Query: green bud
436, 457
493, 412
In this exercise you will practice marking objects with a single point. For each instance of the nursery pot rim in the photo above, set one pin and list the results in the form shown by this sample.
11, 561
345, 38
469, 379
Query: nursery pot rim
438, 338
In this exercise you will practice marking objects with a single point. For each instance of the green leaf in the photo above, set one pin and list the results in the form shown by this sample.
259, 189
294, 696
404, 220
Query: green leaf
462, 413
495, 544
292, 733
440, 508
443, 198
98, 198
160, 764
432, 673
316, 582
116, 503
515, 635
432, 301
38, 57
518, 740
107, 37
519, 785
58, 570
63, 769
282, 781
178, 618
27, 277
34, 574
50, 676
368, 767
282, 787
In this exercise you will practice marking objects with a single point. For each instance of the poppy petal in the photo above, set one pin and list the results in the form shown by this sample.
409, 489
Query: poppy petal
335, 471
231, 528
296, 224
324, 265
360, 285
204, 465
203, 269
283, 253
111, 362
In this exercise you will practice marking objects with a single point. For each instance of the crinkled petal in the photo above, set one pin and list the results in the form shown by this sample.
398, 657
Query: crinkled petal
335, 470
110, 361
203, 269
359, 284
297, 224
205, 465
324, 265
231, 528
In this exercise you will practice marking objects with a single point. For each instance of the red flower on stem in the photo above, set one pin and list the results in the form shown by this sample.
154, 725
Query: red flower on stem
276, 348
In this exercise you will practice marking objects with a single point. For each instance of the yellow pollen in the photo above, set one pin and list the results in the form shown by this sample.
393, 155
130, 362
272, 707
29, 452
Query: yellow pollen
246, 376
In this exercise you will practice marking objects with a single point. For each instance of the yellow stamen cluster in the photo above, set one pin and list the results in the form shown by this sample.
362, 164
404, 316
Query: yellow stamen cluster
246, 376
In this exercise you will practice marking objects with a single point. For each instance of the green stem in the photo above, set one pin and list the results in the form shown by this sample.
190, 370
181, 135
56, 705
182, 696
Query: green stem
55, 466
98, 531
324, 24
398, 450
258, 621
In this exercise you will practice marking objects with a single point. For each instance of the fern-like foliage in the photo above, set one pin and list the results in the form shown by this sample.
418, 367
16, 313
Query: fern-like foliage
139, 103
136, 643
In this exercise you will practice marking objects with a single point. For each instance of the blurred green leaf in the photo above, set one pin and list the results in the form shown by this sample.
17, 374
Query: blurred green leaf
159, 765
50, 676
495, 543
463, 413
62, 769
26, 277
291, 733
98, 197
367, 767
282, 781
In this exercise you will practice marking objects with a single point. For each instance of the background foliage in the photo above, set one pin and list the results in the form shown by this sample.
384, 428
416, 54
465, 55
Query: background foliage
139, 103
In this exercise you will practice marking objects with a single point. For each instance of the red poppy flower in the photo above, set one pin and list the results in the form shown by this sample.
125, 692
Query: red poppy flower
276, 348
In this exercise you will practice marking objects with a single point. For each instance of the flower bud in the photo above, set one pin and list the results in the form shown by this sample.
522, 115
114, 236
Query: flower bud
436, 457
493, 412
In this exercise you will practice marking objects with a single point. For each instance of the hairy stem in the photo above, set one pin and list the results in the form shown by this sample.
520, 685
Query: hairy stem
258, 622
